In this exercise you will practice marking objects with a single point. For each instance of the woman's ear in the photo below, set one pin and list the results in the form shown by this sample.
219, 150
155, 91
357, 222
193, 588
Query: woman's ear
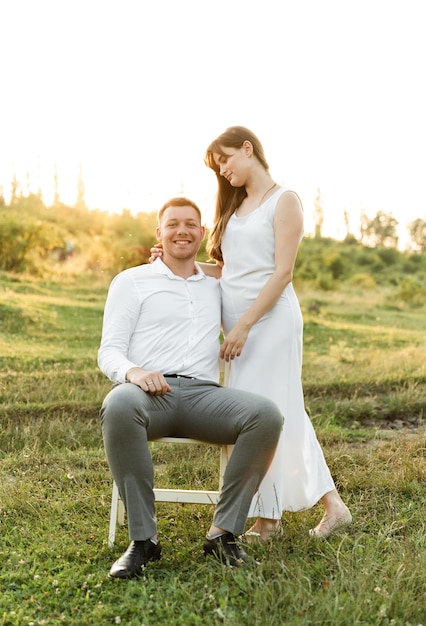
248, 148
158, 233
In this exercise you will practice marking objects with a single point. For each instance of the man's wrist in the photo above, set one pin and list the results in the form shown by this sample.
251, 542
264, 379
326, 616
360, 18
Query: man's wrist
129, 371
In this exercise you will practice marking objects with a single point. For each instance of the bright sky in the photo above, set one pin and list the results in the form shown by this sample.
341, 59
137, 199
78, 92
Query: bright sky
134, 91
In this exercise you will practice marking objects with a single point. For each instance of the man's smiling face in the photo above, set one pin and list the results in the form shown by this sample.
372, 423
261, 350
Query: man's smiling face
180, 232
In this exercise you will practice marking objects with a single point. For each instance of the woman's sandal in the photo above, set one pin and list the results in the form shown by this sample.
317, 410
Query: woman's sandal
266, 533
330, 524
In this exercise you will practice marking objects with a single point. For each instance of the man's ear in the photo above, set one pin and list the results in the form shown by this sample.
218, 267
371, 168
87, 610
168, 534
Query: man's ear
158, 233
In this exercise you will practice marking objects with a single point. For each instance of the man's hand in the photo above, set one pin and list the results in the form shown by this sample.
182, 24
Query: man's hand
153, 383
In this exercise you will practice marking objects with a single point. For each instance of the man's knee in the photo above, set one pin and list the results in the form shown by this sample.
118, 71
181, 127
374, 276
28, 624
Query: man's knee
271, 417
121, 404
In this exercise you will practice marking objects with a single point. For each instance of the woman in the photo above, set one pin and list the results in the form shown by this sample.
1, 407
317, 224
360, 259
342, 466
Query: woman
257, 229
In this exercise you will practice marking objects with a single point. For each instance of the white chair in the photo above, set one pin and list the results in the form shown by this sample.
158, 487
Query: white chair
170, 495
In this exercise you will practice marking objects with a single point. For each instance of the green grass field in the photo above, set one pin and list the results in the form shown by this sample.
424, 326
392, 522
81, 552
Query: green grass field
364, 380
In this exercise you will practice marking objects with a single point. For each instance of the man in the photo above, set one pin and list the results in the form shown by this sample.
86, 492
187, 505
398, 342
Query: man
161, 337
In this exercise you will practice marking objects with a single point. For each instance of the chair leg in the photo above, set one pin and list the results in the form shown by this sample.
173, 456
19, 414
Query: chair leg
120, 512
225, 453
113, 515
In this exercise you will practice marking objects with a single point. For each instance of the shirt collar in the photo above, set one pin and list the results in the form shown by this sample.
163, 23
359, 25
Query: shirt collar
159, 267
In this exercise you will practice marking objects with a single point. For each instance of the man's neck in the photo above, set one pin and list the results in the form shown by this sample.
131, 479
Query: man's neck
181, 267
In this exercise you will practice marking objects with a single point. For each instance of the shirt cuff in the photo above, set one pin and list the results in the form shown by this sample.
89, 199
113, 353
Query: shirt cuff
121, 372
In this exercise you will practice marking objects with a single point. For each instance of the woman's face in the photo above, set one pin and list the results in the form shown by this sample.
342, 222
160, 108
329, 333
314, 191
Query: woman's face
233, 165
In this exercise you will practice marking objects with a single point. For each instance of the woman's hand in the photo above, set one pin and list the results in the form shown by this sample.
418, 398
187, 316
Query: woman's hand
156, 251
233, 343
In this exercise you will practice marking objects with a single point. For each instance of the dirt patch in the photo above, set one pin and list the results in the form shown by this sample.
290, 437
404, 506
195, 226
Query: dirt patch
410, 424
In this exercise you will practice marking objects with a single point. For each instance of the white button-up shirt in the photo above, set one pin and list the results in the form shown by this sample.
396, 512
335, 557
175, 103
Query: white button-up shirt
159, 321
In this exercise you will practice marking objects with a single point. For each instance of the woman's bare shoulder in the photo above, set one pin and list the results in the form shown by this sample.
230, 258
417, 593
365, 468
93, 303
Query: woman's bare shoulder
213, 270
290, 199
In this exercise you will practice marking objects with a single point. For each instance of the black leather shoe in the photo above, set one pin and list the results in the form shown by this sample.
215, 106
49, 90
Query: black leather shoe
132, 562
228, 551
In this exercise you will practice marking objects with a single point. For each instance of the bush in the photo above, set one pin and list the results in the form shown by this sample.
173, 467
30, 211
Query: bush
23, 243
412, 292
333, 261
325, 282
363, 280
389, 256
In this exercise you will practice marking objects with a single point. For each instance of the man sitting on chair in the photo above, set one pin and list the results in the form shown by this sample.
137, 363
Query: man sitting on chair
160, 336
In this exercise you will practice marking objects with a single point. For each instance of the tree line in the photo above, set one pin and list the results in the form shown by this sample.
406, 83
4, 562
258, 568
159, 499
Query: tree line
38, 239
377, 232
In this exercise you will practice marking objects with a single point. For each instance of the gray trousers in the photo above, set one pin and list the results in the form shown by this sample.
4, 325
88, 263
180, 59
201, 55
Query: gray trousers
196, 409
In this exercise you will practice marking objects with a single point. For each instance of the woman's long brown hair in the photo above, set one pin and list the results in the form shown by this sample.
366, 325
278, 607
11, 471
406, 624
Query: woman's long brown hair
228, 198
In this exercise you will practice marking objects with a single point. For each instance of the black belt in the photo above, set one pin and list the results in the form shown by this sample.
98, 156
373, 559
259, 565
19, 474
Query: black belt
178, 376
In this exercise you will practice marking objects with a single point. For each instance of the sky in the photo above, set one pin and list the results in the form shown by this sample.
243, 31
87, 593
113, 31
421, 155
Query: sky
132, 92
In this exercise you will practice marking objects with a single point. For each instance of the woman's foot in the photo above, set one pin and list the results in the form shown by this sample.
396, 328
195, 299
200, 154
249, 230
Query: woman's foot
262, 530
331, 522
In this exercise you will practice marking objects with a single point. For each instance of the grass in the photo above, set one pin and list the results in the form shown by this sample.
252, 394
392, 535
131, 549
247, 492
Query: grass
361, 375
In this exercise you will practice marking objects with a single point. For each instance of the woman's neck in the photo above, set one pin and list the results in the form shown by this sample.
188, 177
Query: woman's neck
257, 193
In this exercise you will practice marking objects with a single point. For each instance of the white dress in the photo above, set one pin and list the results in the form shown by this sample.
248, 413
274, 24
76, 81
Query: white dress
271, 363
